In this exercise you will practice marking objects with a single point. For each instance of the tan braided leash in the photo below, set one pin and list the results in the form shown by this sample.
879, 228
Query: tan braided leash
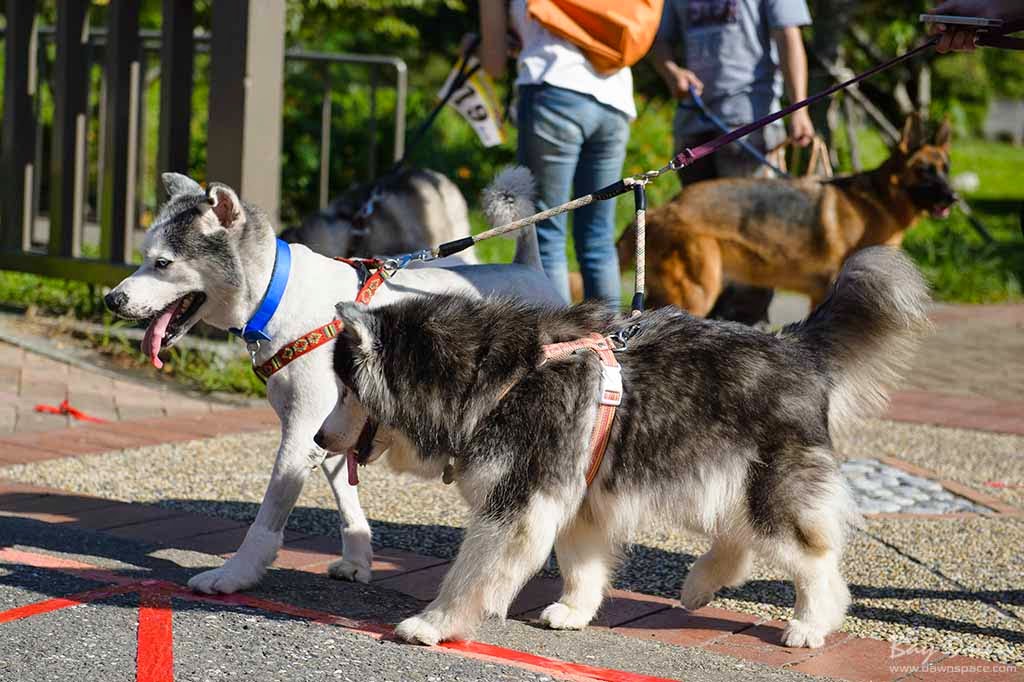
635, 182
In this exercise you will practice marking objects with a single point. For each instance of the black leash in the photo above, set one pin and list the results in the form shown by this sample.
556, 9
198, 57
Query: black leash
360, 219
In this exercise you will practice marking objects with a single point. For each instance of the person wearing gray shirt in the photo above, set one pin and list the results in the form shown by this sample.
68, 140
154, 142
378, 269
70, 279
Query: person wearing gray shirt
739, 56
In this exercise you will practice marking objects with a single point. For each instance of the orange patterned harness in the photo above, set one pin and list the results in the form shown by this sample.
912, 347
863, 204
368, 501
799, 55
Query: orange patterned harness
611, 391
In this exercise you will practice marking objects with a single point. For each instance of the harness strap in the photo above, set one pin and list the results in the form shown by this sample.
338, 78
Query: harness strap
369, 282
311, 340
611, 391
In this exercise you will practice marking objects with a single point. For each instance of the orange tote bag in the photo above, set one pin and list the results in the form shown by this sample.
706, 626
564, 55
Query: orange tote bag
611, 33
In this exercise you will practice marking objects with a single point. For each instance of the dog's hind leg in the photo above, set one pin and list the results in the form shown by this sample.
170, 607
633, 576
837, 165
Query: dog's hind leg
726, 564
808, 544
691, 276
586, 554
821, 597
497, 557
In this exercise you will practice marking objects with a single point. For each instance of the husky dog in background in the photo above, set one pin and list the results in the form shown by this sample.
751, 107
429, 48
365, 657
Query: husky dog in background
209, 256
411, 210
723, 429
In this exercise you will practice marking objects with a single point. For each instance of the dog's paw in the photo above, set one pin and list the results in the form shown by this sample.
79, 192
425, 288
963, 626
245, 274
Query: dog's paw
224, 580
418, 630
800, 633
558, 616
694, 596
343, 569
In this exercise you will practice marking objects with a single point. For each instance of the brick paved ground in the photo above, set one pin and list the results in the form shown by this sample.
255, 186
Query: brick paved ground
975, 350
970, 369
707, 631
28, 379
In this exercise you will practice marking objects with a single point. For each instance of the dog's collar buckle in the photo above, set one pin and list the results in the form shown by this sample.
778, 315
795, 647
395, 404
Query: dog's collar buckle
253, 347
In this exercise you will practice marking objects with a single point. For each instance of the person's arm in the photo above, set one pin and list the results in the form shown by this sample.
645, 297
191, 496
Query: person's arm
962, 38
677, 79
493, 37
793, 62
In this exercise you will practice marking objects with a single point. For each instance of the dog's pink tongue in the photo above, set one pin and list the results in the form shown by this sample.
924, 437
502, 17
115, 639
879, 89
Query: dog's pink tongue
154, 336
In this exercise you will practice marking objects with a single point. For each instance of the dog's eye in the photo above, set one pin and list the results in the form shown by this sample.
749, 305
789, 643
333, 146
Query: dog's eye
161, 263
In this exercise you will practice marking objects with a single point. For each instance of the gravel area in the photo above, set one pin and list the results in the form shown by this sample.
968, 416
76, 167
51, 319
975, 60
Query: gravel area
951, 584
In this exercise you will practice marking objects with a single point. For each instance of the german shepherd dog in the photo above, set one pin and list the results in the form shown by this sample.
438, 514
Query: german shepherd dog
723, 429
789, 234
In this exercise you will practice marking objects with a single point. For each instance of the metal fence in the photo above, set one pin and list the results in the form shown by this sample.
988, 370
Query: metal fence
78, 189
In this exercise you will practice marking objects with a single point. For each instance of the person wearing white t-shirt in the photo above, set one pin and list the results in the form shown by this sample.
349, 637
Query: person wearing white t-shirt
573, 128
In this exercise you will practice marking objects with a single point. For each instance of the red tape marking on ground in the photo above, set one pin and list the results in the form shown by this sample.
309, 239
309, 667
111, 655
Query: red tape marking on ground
154, 661
51, 605
550, 666
74, 413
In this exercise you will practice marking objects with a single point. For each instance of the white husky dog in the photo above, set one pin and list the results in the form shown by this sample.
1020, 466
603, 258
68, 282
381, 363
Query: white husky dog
209, 256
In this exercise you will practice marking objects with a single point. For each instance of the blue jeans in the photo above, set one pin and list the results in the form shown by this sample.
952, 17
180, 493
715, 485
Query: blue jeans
574, 145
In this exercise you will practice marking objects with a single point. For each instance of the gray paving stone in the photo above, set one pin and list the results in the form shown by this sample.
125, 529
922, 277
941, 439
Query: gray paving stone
880, 488
865, 484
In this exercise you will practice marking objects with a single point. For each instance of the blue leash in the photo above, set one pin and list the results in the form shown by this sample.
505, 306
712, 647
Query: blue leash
706, 113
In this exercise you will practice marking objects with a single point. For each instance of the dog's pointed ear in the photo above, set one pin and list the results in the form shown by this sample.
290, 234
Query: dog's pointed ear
225, 205
944, 134
913, 134
176, 183
356, 324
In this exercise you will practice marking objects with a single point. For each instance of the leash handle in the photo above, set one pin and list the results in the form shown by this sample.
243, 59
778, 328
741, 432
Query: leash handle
640, 200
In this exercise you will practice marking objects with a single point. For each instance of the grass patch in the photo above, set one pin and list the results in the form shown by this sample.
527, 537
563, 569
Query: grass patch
198, 369
201, 370
961, 267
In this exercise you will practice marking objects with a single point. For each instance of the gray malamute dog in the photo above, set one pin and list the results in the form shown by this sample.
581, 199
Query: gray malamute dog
722, 429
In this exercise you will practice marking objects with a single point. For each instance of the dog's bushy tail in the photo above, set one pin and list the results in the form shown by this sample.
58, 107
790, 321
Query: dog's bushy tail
510, 197
867, 330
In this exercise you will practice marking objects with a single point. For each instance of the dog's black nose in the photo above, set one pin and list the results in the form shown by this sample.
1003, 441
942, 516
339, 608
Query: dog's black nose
115, 300
320, 440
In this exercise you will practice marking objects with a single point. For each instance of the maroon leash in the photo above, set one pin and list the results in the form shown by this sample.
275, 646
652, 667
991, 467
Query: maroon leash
689, 156
997, 39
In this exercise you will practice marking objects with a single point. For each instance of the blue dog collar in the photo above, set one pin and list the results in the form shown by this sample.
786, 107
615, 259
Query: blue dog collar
253, 331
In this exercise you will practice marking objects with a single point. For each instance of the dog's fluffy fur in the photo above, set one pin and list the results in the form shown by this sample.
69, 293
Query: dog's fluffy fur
412, 209
723, 429
208, 257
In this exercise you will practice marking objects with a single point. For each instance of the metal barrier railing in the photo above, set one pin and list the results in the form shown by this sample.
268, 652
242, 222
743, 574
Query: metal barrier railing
43, 229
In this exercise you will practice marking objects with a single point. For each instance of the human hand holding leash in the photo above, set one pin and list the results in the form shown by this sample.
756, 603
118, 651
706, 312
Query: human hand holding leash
680, 80
958, 38
801, 130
